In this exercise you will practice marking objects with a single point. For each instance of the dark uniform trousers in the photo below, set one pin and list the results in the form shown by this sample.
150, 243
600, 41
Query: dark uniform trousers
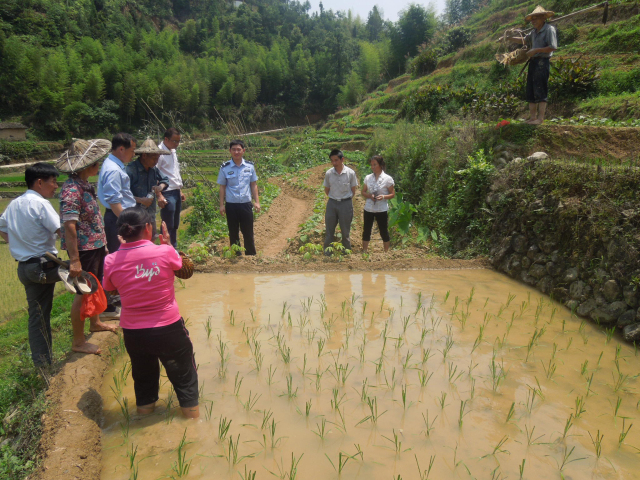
240, 219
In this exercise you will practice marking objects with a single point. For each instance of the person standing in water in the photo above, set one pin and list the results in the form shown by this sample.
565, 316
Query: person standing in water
378, 189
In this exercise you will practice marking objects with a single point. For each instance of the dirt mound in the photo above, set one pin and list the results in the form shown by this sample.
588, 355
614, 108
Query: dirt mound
588, 141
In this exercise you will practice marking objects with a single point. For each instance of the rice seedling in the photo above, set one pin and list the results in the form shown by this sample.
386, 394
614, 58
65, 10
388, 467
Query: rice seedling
533, 341
579, 407
248, 475
361, 353
404, 398
133, 465
521, 468
321, 428
374, 415
304, 366
251, 402
181, 466
126, 416
396, 443
498, 448
623, 433
446, 296
291, 472
341, 373
462, 413
597, 443
423, 377
424, 474
337, 400
531, 440
426, 355
232, 318
223, 352
619, 381
589, 380
290, 393
583, 367
567, 426
442, 400
364, 390
472, 390
406, 323
609, 334
321, 343
237, 383
285, 308
453, 369
270, 374
447, 347
266, 416
428, 425
223, 428
207, 327
390, 385
498, 374
343, 458
208, 409
550, 369
512, 411
407, 358
617, 407
231, 453
254, 319
566, 458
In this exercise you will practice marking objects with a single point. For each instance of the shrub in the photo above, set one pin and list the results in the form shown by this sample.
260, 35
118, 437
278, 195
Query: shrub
457, 38
425, 62
572, 78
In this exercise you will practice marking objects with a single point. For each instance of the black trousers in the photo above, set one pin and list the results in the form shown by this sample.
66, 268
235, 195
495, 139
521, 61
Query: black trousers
111, 230
170, 345
240, 219
382, 219
538, 80
39, 280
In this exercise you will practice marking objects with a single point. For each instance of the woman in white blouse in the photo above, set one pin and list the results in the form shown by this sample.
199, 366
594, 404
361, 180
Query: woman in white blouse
377, 188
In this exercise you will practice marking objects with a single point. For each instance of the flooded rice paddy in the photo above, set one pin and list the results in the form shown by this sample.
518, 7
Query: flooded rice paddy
412, 375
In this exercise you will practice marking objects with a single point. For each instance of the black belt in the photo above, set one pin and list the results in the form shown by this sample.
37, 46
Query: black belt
48, 264
340, 200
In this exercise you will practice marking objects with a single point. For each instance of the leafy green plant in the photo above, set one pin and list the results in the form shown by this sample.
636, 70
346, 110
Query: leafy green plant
572, 78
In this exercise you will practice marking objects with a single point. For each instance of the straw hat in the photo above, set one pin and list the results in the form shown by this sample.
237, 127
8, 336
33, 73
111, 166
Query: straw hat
83, 154
539, 11
149, 146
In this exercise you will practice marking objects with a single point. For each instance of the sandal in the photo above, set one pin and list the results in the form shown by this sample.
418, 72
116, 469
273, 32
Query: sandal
63, 273
83, 286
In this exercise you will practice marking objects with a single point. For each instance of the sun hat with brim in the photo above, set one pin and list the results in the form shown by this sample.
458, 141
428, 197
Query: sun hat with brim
83, 154
539, 12
149, 146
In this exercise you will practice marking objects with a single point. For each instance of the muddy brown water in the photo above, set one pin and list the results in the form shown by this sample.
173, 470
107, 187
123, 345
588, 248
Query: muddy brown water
514, 408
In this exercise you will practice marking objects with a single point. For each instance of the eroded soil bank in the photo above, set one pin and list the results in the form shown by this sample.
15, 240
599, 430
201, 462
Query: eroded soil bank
466, 367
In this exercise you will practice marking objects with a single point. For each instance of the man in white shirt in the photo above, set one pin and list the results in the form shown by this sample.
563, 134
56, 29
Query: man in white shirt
173, 195
30, 225
340, 184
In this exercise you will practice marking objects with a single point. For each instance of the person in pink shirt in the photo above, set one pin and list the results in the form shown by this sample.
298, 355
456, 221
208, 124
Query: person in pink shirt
143, 274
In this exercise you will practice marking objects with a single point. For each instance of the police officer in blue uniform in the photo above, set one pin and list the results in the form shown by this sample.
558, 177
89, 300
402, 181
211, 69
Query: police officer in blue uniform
238, 183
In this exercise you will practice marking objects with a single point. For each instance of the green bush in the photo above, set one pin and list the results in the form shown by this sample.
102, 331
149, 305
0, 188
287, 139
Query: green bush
424, 63
457, 38
615, 82
572, 78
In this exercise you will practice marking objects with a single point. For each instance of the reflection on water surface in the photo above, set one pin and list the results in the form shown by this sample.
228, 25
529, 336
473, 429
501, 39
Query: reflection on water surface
467, 369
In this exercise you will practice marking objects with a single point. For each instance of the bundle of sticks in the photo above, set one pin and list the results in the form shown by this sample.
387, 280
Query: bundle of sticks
519, 56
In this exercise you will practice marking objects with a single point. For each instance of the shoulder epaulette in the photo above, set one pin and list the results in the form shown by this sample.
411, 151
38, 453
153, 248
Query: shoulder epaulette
250, 163
225, 164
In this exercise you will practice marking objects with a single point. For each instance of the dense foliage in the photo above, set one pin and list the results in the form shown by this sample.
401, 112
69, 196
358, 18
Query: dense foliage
88, 66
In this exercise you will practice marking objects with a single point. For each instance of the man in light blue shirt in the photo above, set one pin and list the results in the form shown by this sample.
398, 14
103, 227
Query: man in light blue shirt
29, 225
114, 191
238, 183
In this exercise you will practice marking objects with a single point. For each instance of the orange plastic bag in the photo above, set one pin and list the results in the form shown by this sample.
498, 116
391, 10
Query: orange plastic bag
94, 303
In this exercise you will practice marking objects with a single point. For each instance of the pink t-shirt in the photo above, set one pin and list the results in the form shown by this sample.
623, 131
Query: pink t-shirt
142, 272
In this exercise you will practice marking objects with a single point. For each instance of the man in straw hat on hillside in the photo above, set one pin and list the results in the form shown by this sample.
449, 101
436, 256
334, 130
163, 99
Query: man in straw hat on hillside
147, 181
542, 42
83, 234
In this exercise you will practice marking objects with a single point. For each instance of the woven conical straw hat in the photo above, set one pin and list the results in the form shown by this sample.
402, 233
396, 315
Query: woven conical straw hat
83, 154
539, 11
149, 146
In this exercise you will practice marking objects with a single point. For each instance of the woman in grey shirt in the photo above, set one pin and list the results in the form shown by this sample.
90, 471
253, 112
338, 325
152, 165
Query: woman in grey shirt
377, 188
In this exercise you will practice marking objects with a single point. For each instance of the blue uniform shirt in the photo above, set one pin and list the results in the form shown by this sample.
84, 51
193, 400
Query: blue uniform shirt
237, 180
114, 184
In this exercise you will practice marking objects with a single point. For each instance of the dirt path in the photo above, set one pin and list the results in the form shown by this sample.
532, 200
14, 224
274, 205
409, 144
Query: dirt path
273, 229
71, 438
